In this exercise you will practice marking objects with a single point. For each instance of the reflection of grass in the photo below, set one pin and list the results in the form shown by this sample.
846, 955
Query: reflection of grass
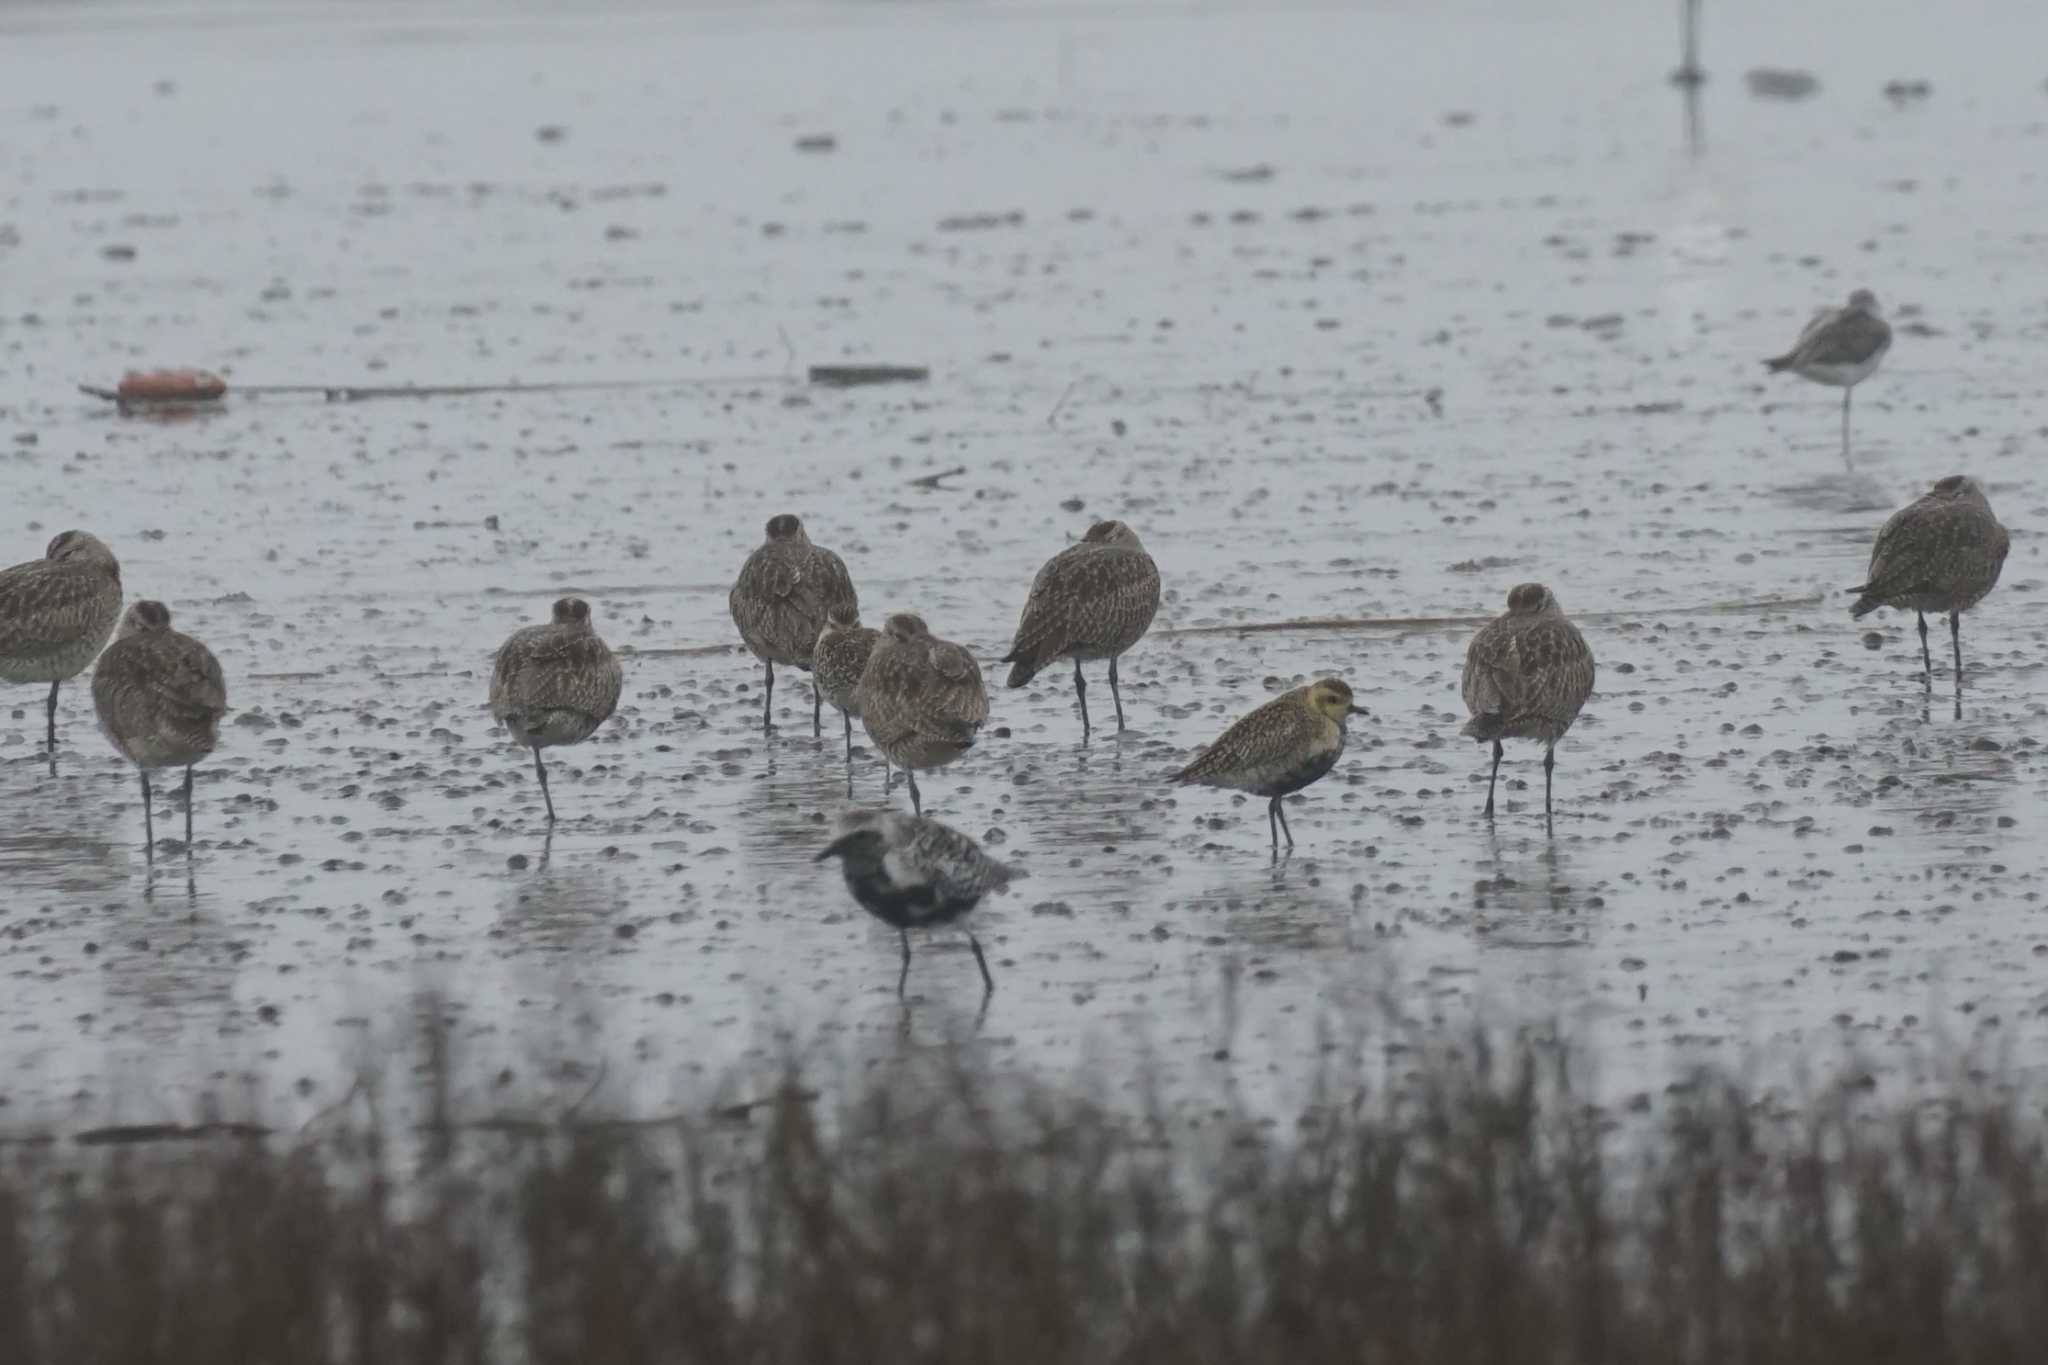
943, 1214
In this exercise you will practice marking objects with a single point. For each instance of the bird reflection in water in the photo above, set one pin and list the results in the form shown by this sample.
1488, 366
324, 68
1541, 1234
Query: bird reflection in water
1524, 896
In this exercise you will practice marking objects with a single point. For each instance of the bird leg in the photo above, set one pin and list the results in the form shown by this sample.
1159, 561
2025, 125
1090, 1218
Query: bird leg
148, 822
988, 983
542, 769
904, 975
1846, 394
1549, 762
1115, 695
1955, 635
847, 716
1926, 659
1081, 695
817, 709
916, 801
53, 716
1277, 818
1492, 780
767, 696
188, 810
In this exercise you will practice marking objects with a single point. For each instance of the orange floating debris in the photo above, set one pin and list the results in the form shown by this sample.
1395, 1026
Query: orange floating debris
170, 386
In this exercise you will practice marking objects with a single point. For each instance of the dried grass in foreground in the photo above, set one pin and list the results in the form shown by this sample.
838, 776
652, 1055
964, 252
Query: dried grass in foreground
1486, 1214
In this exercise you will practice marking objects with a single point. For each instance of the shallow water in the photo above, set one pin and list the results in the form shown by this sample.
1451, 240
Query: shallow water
1354, 313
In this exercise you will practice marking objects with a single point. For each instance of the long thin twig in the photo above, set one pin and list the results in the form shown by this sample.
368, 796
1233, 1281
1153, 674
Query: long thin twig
932, 480
1343, 623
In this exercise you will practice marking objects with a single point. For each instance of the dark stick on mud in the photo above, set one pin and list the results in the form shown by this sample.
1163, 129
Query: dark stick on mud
1341, 623
855, 376
358, 393
932, 480
1066, 393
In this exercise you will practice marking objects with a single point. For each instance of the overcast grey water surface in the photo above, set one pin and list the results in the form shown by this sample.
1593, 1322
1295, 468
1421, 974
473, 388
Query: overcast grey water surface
1358, 312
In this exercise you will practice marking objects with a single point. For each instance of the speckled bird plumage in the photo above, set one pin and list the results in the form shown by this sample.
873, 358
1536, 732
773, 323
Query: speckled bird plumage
1528, 672
1841, 346
921, 699
840, 659
913, 873
160, 696
556, 683
159, 693
56, 614
784, 591
1942, 552
1092, 600
1290, 742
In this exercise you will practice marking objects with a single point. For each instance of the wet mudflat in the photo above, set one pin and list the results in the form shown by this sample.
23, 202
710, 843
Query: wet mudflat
1340, 348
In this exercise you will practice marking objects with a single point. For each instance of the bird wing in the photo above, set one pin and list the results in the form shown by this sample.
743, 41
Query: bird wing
952, 864
1848, 337
42, 605
828, 580
1098, 596
1270, 736
546, 668
183, 679
1929, 543
1541, 669
954, 701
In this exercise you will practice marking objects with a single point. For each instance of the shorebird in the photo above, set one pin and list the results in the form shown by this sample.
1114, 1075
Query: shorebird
912, 873
780, 603
555, 684
1940, 553
56, 614
1841, 348
921, 700
160, 696
1093, 600
1280, 748
1527, 674
839, 659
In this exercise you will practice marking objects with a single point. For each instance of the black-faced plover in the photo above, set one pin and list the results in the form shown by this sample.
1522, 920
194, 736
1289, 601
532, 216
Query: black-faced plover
1528, 673
160, 696
1291, 741
780, 602
555, 684
912, 873
1093, 600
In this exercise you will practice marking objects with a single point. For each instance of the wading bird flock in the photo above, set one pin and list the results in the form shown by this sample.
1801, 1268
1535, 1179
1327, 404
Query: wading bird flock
160, 695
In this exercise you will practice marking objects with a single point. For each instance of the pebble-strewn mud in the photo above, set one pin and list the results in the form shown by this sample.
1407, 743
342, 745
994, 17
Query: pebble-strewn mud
1351, 314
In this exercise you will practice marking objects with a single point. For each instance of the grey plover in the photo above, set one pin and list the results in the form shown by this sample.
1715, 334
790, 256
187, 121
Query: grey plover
160, 696
912, 873
1528, 673
1940, 553
555, 684
839, 659
1841, 348
780, 603
922, 701
56, 614
1093, 600
1280, 748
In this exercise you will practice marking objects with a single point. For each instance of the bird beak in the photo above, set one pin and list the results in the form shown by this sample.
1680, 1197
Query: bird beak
1358, 710
834, 849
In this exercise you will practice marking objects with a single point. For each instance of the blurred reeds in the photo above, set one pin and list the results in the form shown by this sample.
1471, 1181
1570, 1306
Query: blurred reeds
1484, 1212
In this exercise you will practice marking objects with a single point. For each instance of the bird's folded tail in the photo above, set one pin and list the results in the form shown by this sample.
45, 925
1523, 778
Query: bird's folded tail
1777, 363
1865, 604
1023, 668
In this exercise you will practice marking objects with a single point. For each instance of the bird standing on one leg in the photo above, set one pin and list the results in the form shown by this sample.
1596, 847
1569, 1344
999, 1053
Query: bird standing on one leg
1940, 553
782, 598
160, 696
1092, 600
921, 699
1280, 748
1528, 673
913, 873
839, 659
56, 614
1840, 348
555, 684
